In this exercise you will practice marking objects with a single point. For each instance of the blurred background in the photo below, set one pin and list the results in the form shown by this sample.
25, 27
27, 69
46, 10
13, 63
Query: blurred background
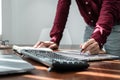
25, 22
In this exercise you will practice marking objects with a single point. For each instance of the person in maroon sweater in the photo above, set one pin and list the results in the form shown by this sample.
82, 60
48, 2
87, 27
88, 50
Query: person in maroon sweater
100, 15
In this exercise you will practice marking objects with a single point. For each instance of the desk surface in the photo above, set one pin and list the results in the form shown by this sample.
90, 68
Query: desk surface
102, 70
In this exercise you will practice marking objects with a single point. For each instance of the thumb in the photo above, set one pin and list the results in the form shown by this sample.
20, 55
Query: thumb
53, 47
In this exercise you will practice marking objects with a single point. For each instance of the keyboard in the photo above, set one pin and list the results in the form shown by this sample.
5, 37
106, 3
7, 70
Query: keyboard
88, 57
55, 61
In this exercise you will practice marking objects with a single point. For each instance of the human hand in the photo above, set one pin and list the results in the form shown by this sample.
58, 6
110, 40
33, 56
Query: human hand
92, 46
47, 44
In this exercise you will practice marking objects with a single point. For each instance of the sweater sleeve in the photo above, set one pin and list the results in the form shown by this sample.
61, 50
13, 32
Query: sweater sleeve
107, 19
60, 20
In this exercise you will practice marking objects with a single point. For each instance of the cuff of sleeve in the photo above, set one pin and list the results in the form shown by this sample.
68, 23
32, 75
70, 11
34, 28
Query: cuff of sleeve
100, 34
55, 40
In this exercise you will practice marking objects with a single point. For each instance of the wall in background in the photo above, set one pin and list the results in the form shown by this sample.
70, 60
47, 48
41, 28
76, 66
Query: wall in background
23, 20
0, 19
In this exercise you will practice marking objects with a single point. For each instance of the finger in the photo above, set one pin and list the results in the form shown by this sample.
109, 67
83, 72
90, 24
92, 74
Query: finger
41, 45
53, 46
102, 52
97, 51
48, 43
92, 46
94, 51
45, 44
37, 44
87, 43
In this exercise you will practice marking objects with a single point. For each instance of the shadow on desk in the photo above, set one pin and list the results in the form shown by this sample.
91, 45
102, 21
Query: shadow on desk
105, 70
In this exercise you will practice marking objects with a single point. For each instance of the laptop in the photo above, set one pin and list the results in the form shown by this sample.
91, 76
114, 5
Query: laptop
11, 64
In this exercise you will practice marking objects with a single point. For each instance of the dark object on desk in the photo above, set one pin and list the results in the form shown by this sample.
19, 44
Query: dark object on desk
4, 44
73, 65
12, 64
55, 61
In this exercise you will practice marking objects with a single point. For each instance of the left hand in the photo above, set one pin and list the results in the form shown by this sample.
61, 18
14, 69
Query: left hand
92, 46
47, 44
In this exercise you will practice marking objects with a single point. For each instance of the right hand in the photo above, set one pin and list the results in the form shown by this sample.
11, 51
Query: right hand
92, 47
47, 44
